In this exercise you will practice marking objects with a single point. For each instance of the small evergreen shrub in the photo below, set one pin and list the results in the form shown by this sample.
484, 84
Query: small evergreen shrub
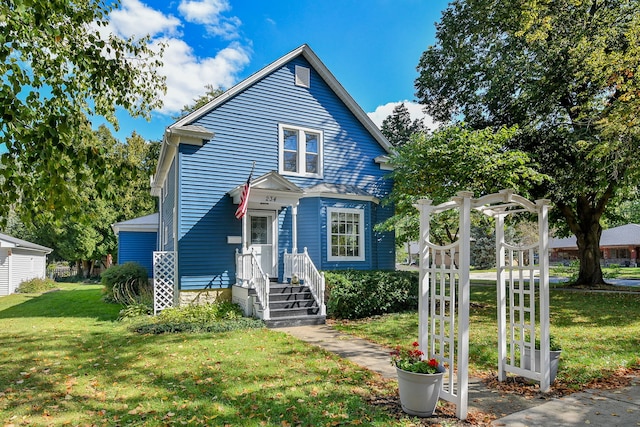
127, 284
36, 286
354, 294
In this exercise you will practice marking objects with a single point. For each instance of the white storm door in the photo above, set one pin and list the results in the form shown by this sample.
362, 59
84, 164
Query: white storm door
262, 240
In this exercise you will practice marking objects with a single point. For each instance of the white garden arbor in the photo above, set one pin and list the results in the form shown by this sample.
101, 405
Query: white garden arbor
522, 293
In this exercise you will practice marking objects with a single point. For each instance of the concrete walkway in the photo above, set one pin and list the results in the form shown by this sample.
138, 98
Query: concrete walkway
594, 407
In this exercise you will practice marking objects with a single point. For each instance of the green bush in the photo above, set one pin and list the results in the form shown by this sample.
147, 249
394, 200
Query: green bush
217, 317
132, 311
217, 326
127, 284
204, 313
35, 286
353, 294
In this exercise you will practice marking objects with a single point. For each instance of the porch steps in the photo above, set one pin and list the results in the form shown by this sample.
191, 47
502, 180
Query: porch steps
292, 305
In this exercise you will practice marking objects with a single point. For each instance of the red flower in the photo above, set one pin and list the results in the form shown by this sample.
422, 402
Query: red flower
433, 362
415, 344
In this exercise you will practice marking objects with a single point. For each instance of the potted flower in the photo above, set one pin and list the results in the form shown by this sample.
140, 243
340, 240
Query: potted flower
419, 380
554, 357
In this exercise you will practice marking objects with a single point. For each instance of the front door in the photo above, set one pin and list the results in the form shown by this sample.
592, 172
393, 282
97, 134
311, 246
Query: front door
262, 240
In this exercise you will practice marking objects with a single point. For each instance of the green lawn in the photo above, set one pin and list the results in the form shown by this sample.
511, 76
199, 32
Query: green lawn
599, 332
66, 361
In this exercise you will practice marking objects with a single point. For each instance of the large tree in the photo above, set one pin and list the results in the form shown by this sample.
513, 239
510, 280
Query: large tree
567, 73
398, 127
58, 69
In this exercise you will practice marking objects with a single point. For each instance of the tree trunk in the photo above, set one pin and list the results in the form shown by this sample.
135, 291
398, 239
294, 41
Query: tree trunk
590, 273
584, 222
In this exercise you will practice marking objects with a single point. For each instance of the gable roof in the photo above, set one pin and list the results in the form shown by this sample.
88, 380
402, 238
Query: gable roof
147, 223
625, 235
320, 68
7, 241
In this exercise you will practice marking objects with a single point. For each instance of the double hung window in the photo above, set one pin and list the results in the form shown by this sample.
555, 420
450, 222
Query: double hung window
300, 151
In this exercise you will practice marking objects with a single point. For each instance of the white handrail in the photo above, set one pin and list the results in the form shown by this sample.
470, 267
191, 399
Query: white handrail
300, 265
249, 274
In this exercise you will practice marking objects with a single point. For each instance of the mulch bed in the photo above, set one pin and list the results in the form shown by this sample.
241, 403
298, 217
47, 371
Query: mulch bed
446, 412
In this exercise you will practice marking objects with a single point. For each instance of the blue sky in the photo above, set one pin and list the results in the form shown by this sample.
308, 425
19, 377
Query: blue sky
371, 46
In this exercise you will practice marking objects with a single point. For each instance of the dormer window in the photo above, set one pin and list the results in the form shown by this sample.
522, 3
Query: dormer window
300, 151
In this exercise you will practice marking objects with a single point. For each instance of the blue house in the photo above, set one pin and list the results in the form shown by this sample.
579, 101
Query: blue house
314, 197
137, 240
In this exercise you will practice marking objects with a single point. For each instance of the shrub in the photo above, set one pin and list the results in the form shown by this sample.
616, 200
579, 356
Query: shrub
219, 326
127, 284
132, 311
36, 286
201, 313
356, 294
216, 317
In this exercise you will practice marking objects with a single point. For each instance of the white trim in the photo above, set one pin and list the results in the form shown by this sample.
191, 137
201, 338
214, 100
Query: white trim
361, 236
328, 195
301, 152
324, 73
274, 235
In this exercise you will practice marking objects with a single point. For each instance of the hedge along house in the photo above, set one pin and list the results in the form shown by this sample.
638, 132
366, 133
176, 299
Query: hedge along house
19, 261
137, 240
314, 197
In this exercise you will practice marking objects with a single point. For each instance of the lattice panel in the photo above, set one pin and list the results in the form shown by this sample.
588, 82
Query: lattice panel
443, 284
519, 272
164, 280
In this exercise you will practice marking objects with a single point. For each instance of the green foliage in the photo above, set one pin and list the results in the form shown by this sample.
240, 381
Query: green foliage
197, 327
355, 294
563, 72
220, 316
398, 127
127, 284
437, 166
135, 310
203, 313
58, 69
36, 286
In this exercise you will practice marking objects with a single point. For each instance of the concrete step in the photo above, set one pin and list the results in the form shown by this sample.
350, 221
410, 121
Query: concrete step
284, 322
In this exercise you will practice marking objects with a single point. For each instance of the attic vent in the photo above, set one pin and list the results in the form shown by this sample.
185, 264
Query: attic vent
303, 76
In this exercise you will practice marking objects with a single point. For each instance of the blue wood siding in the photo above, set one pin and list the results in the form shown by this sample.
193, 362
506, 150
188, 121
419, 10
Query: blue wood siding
136, 246
246, 130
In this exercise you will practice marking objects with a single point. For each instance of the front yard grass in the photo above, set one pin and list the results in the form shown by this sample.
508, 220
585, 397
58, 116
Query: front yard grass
599, 332
67, 361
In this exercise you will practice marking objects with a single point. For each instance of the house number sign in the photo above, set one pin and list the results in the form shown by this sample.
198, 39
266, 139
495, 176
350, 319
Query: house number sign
270, 198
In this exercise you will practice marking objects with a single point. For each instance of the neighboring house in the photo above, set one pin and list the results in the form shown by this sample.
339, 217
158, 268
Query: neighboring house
618, 245
320, 167
19, 261
137, 239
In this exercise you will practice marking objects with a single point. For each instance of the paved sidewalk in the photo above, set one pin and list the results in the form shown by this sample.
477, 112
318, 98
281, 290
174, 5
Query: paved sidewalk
595, 407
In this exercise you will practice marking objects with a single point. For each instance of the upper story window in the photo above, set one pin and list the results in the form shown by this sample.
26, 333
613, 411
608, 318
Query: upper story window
300, 151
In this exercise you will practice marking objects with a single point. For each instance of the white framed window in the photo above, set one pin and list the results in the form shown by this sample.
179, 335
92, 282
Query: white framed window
345, 234
300, 151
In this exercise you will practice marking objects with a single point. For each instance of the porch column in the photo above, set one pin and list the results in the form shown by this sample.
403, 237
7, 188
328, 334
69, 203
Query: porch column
294, 228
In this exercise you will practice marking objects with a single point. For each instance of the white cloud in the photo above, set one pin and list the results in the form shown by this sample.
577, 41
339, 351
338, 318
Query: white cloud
187, 74
210, 14
415, 111
134, 18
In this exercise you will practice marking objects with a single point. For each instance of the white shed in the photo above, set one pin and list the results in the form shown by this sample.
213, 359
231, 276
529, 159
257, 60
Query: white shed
19, 261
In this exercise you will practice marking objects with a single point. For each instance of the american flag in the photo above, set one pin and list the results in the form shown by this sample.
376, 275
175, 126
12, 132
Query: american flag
244, 198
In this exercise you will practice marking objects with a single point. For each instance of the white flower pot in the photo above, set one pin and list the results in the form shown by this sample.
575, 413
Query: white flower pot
554, 357
419, 393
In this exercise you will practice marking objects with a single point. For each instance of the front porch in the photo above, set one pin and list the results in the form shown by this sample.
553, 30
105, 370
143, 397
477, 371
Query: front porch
298, 301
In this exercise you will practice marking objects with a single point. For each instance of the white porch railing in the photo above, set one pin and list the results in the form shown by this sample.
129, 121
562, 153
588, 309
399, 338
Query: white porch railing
249, 274
301, 266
